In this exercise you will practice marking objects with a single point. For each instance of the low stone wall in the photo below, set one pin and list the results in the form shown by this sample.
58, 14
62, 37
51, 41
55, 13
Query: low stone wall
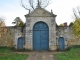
74, 42
7, 36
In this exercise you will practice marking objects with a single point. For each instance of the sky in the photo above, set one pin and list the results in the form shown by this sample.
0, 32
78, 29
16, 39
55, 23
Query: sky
10, 9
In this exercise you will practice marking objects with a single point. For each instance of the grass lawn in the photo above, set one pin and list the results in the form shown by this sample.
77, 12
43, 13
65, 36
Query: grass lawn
7, 54
72, 54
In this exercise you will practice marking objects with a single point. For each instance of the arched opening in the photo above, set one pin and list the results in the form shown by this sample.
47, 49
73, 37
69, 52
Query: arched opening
40, 36
20, 43
61, 45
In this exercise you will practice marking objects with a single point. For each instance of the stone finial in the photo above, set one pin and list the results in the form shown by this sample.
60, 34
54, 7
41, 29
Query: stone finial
38, 5
51, 11
29, 11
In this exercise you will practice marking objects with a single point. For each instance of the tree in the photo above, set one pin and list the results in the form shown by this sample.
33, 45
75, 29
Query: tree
71, 24
2, 26
76, 27
76, 23
76, 13
2, 23
61, 25
33, 4
18, 22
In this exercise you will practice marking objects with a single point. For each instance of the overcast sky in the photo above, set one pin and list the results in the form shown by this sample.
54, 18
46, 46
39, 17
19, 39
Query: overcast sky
11, 9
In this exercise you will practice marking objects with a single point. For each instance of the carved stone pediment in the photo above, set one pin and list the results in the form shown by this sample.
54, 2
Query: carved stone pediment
40, 12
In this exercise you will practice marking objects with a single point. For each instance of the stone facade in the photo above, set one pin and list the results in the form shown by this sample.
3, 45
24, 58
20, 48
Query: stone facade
12, 34
37, 16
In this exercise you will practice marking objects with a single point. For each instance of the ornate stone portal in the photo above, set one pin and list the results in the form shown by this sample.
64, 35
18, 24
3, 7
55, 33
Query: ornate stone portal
42, 15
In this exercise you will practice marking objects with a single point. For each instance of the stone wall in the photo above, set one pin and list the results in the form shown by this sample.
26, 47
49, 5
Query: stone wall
65, 32
7, 36
19, 32
10, 36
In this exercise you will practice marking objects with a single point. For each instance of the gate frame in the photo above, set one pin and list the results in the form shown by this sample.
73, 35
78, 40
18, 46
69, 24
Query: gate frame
63, 43
48, 32
18, 41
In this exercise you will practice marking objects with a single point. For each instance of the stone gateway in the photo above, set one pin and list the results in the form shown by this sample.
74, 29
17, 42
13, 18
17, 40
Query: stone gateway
42, 33
39, 33
40, 30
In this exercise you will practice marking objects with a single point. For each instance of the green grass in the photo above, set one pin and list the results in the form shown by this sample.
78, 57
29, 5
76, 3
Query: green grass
7, 54
72, 54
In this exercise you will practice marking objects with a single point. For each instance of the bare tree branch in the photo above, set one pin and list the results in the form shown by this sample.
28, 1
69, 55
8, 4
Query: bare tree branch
78, 8
45, 3
24, 5
75, 14
2, 23
33, 4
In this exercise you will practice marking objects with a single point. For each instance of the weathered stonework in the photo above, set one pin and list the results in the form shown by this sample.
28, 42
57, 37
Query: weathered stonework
37, 16
64, 31
12, 34
7, 36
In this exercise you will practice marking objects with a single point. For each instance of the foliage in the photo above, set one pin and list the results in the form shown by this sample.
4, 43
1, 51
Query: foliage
3, 31
71, 24
72, 54
7, 54
76, 27
2, 26
2, 23
76, 24
61, 25
18, 22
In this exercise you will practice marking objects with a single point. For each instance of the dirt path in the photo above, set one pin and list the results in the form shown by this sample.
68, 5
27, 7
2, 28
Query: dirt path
41, 56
